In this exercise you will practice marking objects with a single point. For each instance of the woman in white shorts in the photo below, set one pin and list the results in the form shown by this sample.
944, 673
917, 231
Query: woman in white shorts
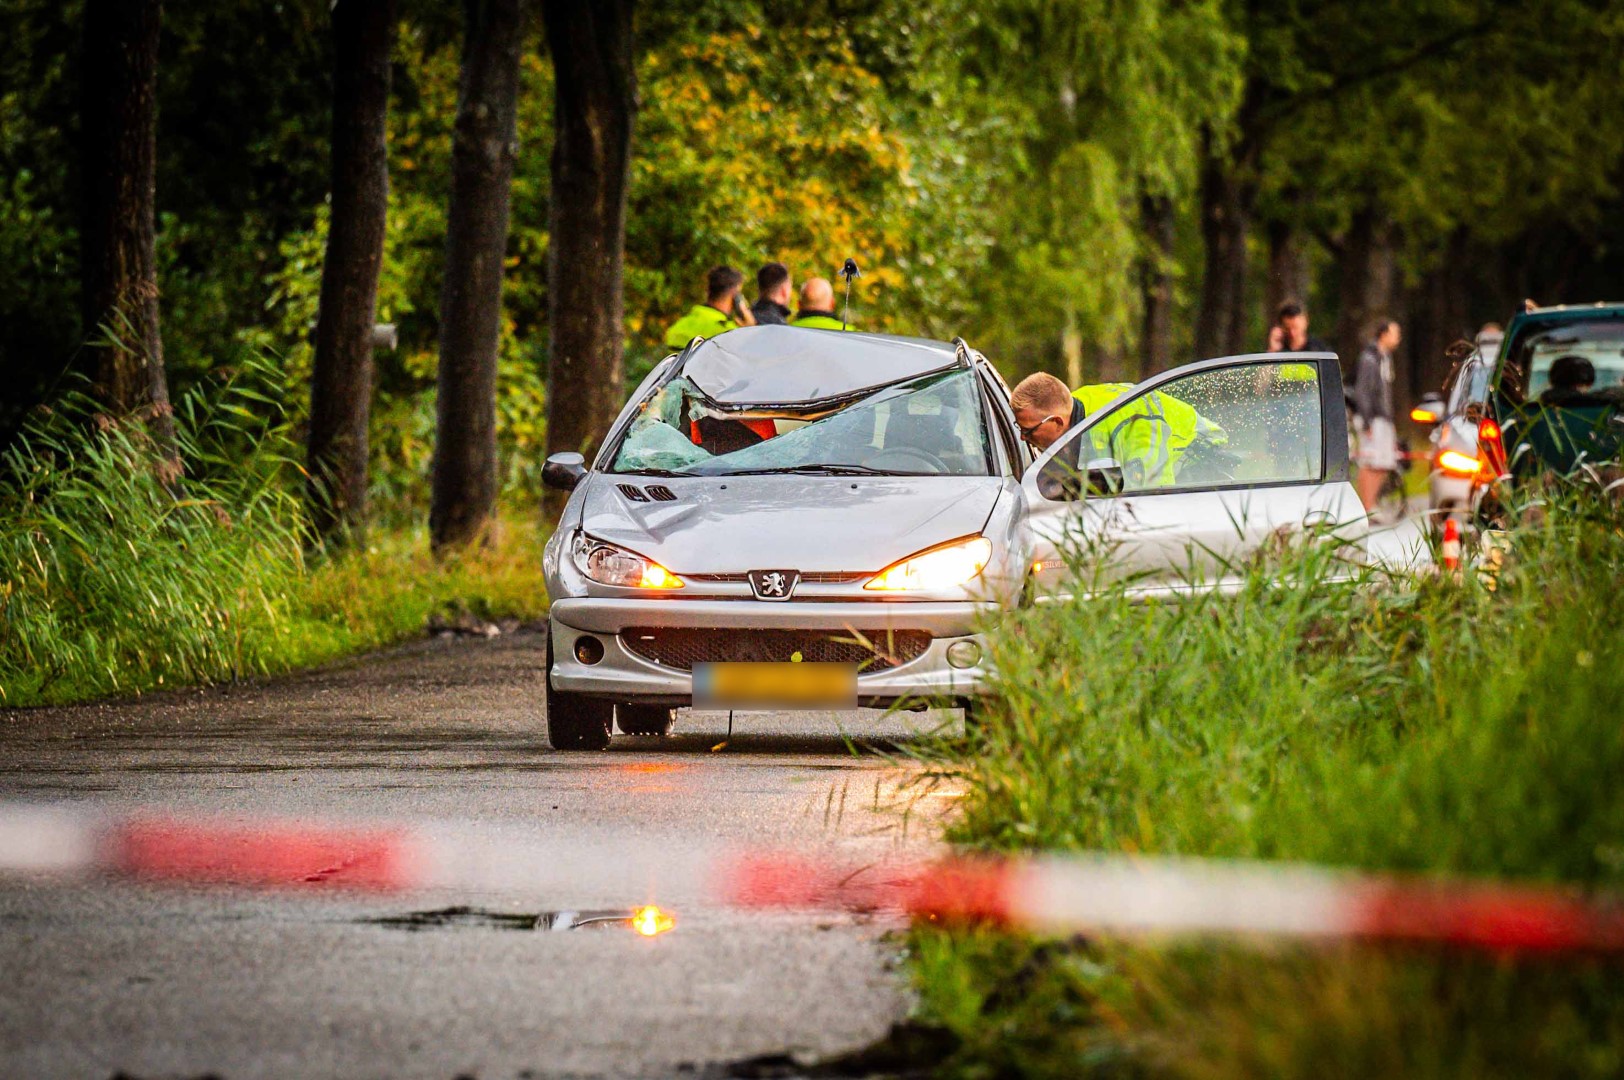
1373, 401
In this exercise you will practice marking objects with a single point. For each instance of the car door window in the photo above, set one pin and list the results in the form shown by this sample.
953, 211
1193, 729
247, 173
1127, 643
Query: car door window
1242, 425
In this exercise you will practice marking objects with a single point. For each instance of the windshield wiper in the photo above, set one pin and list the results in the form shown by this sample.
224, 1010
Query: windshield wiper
819, 469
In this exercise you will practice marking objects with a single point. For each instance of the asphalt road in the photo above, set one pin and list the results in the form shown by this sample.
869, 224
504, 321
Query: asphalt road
186, 982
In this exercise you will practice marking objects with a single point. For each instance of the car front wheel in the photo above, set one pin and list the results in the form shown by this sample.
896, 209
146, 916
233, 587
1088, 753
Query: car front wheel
644, 719
575, 722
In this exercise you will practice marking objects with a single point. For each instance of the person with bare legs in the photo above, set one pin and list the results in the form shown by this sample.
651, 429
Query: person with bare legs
1373, 411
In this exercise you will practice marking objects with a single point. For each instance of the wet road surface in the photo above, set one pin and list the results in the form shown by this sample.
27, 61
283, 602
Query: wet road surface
188, 982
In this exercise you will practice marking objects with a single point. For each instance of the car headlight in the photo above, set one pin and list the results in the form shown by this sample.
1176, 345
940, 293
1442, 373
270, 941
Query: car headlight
944, 567
608, 564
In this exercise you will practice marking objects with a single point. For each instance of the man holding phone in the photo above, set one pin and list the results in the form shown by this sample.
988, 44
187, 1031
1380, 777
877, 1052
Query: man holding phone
724, 309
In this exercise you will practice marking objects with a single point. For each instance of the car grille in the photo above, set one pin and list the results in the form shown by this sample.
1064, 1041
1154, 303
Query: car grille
811, 577
684, 647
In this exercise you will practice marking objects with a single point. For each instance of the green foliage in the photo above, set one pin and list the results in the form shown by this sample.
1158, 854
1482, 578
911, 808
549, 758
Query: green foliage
985, 162
1431, 727
1449, 115
112, 583
1112, 101
1105, 1008
39, 289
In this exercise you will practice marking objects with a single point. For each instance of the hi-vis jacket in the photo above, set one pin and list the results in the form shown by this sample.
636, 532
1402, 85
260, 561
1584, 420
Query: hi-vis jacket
702, 320
818, 320
1147, 436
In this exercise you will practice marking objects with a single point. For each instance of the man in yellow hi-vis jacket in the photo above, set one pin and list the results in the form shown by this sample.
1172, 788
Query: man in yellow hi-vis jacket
1147, 437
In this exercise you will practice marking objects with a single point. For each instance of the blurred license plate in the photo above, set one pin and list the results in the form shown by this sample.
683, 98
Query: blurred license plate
775, 686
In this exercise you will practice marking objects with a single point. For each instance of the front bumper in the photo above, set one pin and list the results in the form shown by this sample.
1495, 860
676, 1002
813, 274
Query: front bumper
623, 675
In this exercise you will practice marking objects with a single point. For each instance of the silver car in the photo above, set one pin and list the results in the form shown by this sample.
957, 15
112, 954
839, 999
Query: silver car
783, 517
1452, 490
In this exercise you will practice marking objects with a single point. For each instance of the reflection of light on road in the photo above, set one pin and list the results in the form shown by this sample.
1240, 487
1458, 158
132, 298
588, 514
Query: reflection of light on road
651, 921
650, 767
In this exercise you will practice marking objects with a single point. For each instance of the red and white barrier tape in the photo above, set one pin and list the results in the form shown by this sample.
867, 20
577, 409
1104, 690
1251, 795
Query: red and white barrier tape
1071, 894
1119, 895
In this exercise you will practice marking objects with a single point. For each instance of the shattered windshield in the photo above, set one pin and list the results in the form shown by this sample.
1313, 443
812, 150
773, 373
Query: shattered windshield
927, 426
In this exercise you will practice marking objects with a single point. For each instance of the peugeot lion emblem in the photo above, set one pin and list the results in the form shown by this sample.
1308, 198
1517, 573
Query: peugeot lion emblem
774, 584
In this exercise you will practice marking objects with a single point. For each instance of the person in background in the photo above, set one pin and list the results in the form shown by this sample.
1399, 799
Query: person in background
1571, 380
723, 310
1373, 411
1290, 331
773, 290
817, 309
1288, 424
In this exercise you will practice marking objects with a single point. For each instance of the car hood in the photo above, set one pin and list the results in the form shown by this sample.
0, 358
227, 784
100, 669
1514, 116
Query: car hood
717, 525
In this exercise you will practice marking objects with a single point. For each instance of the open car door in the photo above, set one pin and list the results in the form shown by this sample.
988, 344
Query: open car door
1174, 484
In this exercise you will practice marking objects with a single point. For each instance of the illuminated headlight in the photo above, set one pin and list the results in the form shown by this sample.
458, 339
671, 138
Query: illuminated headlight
944, 567
1456, 463
610, 565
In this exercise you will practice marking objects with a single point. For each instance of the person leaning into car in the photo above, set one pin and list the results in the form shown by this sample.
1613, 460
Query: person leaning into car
716, 315
1159, 427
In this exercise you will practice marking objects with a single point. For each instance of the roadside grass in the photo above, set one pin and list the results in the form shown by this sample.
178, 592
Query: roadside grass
110, 583
1439, 728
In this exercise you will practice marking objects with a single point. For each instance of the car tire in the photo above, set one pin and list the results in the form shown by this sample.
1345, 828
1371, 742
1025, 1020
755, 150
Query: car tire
644, 719
575, 722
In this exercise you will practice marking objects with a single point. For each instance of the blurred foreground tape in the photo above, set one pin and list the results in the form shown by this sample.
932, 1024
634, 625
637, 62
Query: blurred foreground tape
260, 855
1049, 893
1129, 896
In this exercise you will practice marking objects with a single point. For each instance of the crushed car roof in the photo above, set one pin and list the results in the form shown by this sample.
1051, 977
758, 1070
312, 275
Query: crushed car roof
778, 365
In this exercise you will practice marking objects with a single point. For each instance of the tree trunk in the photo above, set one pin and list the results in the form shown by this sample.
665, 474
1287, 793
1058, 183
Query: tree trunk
1156, 278
595, 104
119, 265
341, 382
1288, 268
482, 155
1226, 218
1366, 292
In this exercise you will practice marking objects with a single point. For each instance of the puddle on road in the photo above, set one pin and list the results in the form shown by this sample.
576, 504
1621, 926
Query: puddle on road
644, 921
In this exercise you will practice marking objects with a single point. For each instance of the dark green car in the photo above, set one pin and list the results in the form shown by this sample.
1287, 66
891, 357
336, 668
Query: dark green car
1556, 399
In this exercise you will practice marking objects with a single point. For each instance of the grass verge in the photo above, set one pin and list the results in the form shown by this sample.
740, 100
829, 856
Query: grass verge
112, 582
1442, 728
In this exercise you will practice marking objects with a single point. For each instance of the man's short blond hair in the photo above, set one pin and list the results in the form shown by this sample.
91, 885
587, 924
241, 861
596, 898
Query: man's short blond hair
1043, 392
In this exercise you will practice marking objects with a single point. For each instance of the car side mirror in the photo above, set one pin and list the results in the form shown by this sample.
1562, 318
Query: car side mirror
564, 471
1059, 481
1430, 410
1104, 476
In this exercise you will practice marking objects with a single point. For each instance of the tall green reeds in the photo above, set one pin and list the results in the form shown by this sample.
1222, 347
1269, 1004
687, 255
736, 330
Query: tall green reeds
1469, 727
115, 580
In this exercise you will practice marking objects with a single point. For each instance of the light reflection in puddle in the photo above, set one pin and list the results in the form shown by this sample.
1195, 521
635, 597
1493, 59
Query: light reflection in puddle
646, 921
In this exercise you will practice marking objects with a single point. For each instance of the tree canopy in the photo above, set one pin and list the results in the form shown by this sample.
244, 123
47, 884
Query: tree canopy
1016, 172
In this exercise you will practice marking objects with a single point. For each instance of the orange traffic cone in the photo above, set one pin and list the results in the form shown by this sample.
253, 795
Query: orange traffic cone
1450, 548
